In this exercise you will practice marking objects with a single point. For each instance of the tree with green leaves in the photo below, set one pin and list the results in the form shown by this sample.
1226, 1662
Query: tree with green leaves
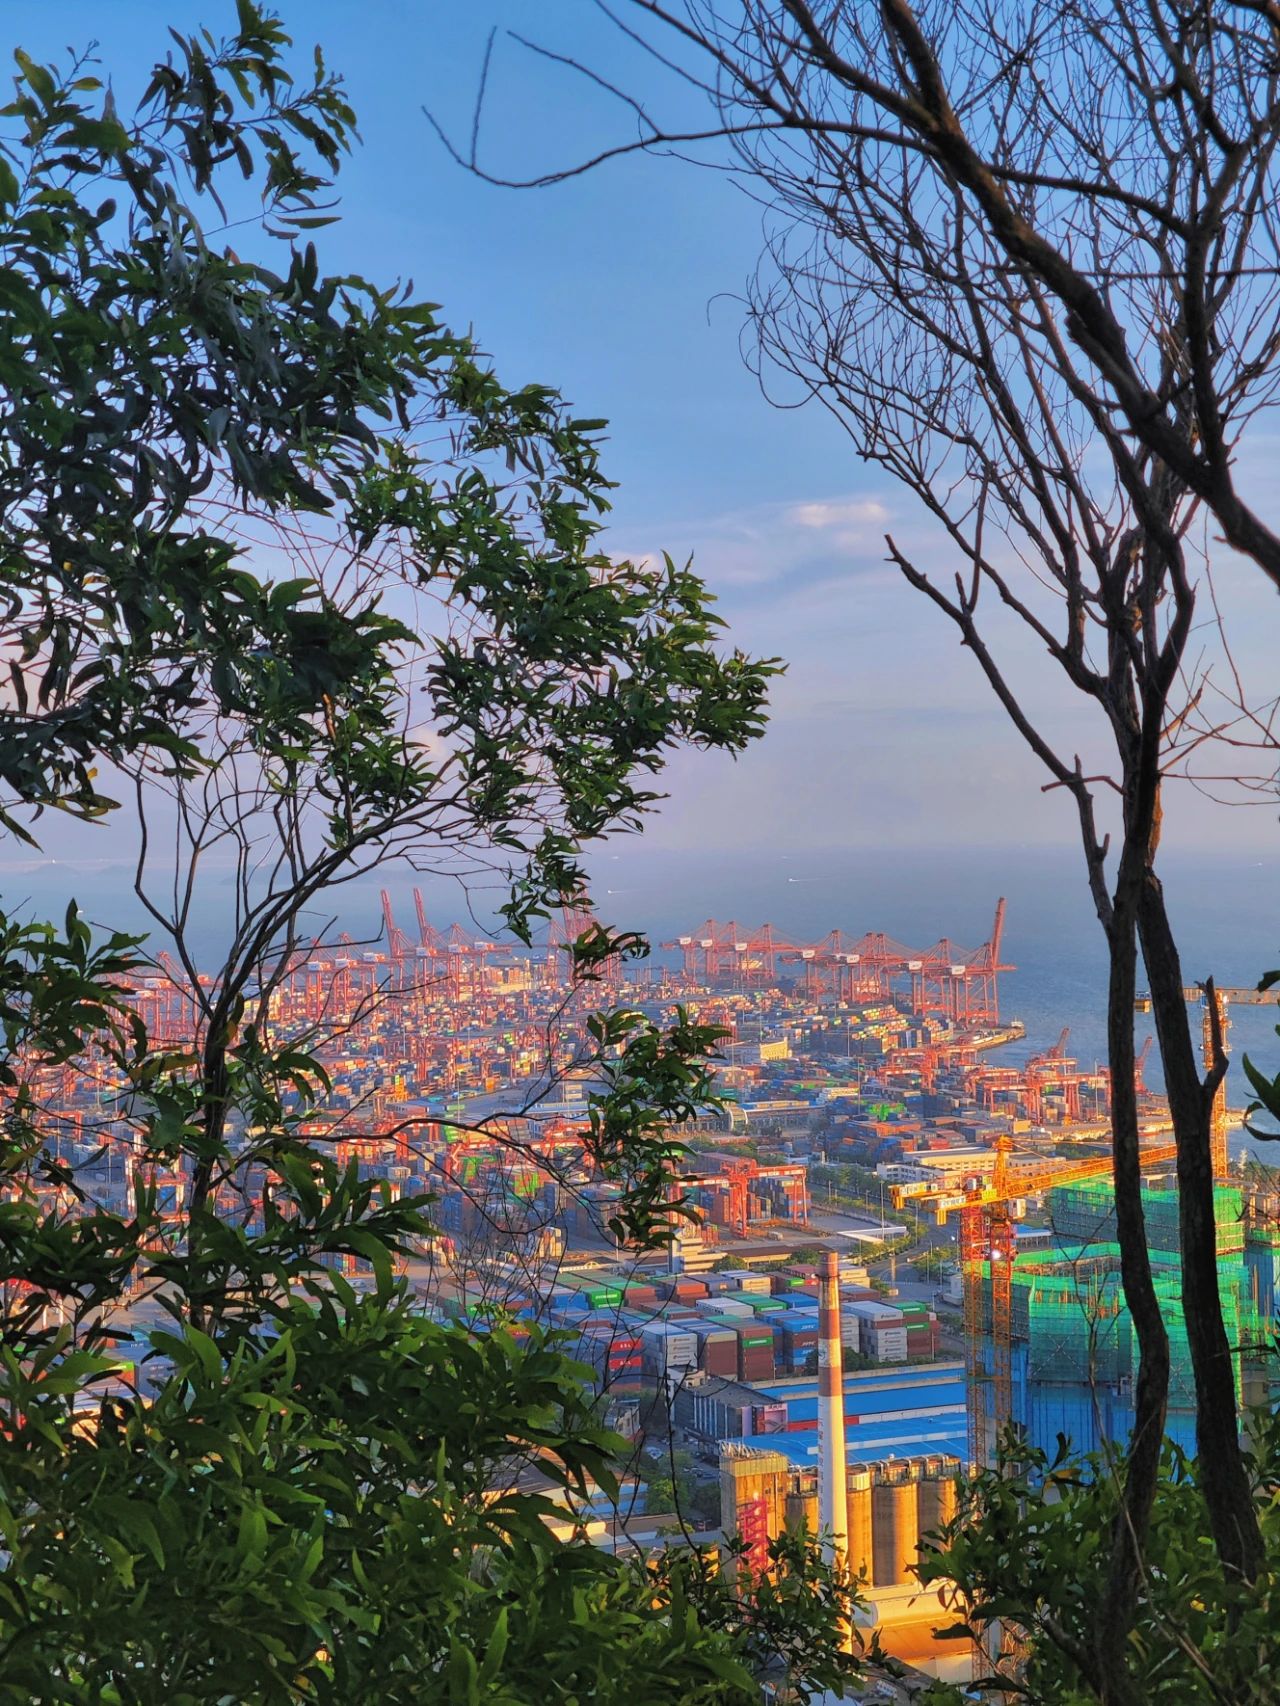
293, 586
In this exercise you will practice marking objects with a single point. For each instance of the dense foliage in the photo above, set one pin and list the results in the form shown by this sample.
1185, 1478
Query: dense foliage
1026, 1561
291, 572
325, 1518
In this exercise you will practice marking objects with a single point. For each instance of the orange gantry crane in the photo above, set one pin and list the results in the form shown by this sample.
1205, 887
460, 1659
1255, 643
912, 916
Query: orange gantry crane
577, 917
1054, 1069
717, 950
397, 941
454, 951
960, 985
738, 1174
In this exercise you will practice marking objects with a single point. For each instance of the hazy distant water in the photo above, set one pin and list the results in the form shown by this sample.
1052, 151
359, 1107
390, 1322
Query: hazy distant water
1227, 915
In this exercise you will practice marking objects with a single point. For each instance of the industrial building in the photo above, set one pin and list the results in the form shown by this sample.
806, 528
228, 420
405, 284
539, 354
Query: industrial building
905, 1413
871, 1515
891, 1507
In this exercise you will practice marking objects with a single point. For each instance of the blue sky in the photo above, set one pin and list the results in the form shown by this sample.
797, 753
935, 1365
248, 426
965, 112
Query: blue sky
618, 289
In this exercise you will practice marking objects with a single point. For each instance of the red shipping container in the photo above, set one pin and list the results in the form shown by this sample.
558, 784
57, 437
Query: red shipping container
719, 1356
756, 1365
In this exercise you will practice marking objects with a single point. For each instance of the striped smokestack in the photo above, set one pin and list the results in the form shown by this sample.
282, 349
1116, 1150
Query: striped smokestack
833, 1465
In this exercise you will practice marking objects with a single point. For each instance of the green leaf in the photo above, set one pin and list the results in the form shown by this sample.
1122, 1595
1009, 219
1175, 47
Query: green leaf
135, 1524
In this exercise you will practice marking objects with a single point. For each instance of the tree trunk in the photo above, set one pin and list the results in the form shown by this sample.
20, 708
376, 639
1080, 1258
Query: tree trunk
1233, 1518
1141, 1470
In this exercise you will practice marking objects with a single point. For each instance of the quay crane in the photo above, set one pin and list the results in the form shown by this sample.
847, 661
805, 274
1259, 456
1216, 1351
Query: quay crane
960, 985
713, 950
1140, 1087
577, 917
460, 952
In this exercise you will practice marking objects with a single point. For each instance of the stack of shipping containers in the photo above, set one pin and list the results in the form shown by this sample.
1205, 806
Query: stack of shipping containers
741, 1280
669, 1349
730, 1309
796, 1337
922, 1331
755, 1352
882, 1332
717, 1349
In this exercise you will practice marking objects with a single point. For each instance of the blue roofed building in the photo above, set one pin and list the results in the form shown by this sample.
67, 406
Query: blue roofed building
890, 1412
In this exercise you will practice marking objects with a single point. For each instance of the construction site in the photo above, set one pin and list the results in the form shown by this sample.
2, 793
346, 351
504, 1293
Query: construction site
1048, 1341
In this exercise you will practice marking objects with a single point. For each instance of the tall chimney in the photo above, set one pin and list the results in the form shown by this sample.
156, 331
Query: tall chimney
833, 1464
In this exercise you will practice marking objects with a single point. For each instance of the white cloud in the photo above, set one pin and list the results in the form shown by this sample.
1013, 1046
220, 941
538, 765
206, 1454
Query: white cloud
849, 513
770, 546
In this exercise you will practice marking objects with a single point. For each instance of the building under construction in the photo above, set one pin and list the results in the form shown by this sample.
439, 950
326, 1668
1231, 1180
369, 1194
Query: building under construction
1073, 1356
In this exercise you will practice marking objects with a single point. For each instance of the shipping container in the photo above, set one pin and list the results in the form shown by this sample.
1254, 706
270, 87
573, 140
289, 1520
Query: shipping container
730, 1311
743, 1279
666, 1348
755, 1352
719, 1357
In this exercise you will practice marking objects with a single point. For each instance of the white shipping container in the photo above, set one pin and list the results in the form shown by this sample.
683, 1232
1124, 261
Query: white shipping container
889, 1346
882, 1314
669, 1331
873, 1309
673, 1352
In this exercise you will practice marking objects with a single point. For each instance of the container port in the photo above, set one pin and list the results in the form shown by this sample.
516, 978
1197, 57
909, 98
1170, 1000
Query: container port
899, 1244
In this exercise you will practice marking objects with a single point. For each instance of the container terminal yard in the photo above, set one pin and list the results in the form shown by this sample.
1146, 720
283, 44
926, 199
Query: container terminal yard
901, 1244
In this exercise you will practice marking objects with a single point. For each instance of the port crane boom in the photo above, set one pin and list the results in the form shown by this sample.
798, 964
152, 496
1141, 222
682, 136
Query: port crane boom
959, 985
